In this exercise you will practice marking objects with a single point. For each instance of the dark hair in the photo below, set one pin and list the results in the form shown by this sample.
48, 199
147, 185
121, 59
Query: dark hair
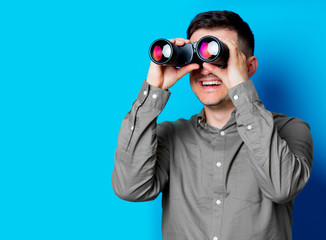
227, 20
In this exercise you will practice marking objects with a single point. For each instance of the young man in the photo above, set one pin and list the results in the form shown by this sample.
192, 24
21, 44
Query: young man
230, 172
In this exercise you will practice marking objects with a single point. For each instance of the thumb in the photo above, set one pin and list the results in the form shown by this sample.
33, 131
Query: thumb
186, 69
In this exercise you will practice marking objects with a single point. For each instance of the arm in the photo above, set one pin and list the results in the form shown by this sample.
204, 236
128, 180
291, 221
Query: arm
281, 159
142, 157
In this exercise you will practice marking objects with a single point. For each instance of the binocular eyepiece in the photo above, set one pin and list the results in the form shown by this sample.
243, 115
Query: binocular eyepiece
208, 49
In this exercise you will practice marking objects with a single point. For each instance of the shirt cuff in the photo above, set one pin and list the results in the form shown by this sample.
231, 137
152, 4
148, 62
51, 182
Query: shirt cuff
243, 93
152, 96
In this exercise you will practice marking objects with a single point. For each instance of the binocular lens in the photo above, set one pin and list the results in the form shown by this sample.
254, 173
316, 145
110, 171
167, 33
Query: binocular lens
209, 50
161, 51
157, 53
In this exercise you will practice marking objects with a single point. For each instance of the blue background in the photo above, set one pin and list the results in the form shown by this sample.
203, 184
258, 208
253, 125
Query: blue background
68, 79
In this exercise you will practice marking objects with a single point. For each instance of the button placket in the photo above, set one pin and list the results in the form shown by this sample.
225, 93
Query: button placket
219, 186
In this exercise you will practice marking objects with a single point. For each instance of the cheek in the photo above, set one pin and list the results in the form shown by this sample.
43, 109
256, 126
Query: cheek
195, 73
192, 85
191, 77
194, 76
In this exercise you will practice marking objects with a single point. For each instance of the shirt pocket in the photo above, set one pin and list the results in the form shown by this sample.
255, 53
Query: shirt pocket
242, 183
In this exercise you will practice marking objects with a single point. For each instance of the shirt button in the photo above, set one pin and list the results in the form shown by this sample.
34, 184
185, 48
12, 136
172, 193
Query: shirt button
145, 92
222, 133
249, 127
218, 202
154, 96
132, 127
235, 97
218, 164
215, 238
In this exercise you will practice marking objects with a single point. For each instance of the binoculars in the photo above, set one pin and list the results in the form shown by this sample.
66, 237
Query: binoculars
208, 49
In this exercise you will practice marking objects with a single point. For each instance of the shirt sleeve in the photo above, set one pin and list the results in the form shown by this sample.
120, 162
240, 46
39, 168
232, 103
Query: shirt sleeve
141, 159
281, 159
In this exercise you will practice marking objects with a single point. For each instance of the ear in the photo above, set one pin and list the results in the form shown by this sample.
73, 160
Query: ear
252, 65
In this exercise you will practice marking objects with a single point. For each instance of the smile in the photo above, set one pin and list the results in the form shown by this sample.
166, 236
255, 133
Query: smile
210, 83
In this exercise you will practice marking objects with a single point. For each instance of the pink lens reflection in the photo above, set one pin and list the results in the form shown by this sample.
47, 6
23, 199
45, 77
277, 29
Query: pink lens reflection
157, 53
204, 50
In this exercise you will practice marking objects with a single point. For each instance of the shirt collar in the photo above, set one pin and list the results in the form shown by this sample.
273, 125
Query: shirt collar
201, 121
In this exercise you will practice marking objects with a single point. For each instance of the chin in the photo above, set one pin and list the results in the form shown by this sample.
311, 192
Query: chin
216, 102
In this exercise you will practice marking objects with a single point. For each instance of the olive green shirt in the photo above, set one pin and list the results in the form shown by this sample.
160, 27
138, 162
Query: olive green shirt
238, 182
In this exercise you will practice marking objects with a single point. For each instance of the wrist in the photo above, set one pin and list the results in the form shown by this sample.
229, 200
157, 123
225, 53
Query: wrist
154, 83
233, 84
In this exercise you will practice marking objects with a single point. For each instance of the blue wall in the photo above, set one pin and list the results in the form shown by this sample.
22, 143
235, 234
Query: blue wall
68, 77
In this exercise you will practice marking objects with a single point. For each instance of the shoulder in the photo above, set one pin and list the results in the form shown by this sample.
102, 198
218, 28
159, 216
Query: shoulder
294, 130
282, 121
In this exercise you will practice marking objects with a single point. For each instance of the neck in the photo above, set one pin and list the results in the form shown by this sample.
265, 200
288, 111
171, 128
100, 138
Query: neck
218, 115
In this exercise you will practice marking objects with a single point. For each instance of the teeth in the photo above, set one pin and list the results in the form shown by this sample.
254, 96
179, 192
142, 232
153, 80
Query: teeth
207, 83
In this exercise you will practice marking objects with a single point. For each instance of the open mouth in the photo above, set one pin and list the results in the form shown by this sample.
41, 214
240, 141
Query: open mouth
210, 83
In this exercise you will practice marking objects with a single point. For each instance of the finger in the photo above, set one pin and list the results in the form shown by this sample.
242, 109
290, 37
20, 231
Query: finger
186, 69
234, 47
183, 39
228, 41
172, 40
179, 41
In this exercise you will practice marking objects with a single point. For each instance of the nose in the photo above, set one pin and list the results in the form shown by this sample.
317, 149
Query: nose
204, 71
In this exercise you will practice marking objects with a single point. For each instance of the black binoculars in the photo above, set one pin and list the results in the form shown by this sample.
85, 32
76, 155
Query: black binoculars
208, 49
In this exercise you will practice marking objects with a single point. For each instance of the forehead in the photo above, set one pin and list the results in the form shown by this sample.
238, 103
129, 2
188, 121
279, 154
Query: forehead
216, 32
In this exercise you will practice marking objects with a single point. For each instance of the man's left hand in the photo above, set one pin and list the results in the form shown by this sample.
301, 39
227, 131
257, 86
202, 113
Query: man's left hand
236, 71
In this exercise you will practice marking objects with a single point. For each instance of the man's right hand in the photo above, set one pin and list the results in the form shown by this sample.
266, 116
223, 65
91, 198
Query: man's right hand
165, 77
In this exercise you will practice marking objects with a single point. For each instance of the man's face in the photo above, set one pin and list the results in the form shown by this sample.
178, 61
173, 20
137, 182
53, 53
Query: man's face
210, 95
